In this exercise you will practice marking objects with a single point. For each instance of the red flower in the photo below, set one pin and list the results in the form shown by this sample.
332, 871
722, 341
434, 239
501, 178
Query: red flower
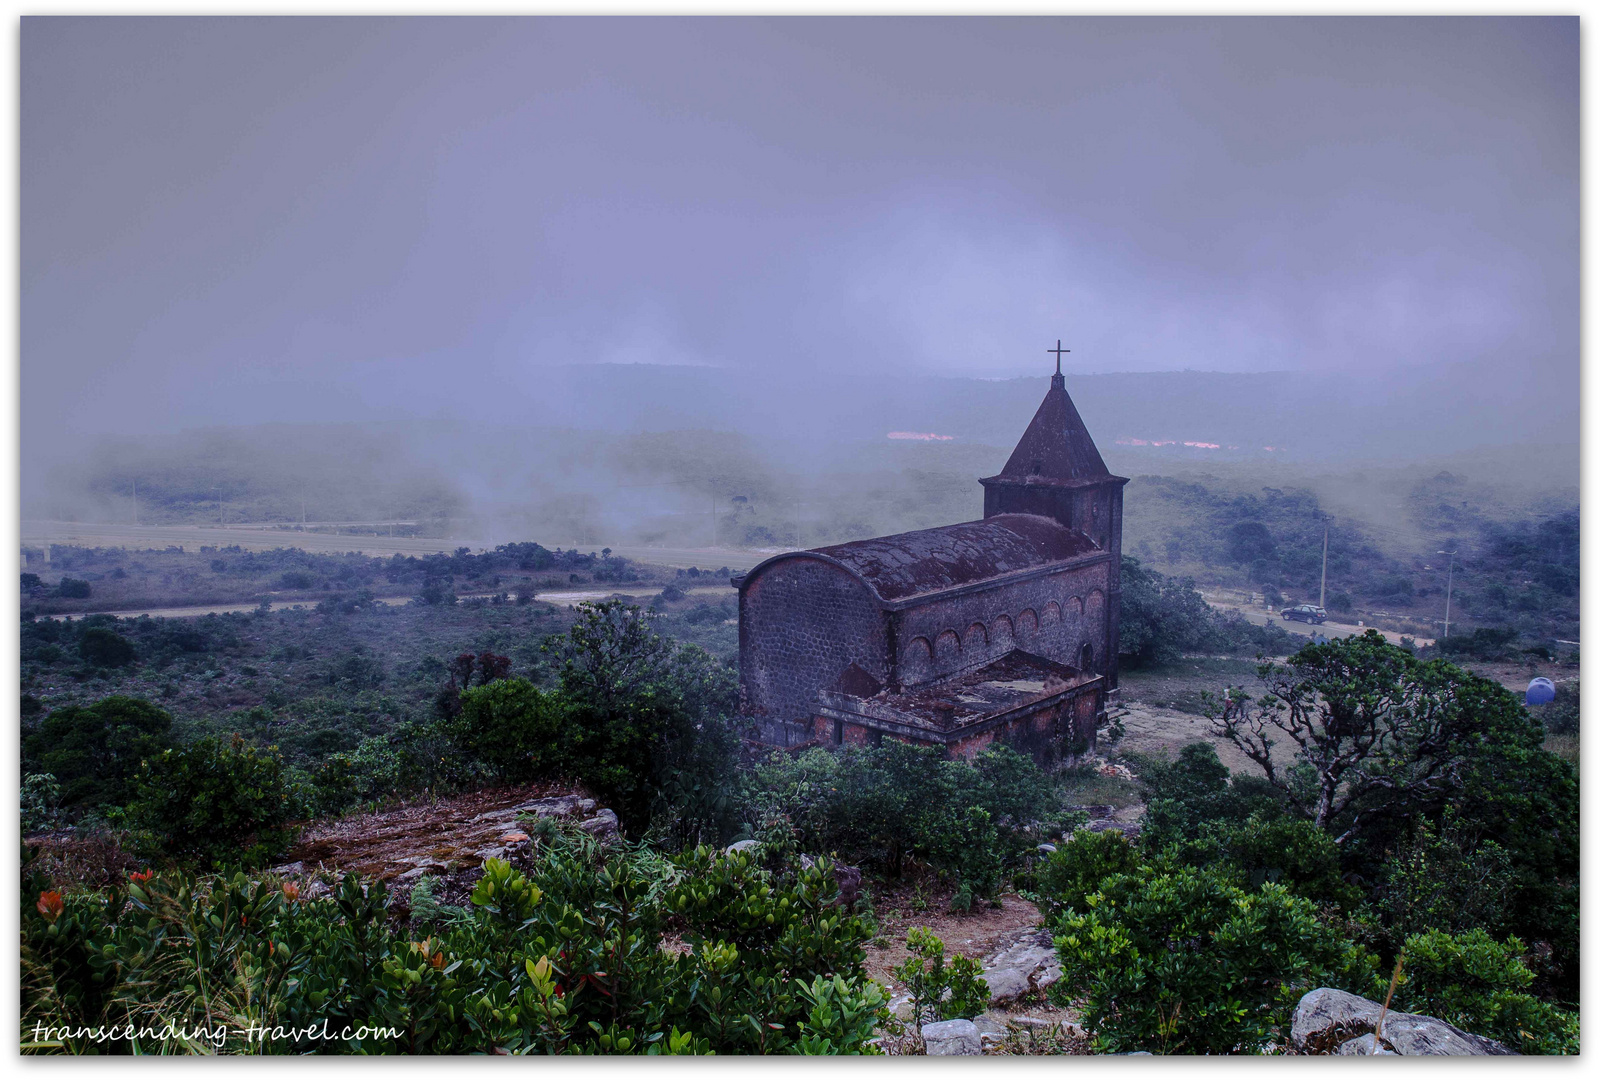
50, 905
291, 891
141, 876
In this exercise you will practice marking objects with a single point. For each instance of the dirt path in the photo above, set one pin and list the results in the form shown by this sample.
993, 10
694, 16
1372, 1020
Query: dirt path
974, 934
1329, 629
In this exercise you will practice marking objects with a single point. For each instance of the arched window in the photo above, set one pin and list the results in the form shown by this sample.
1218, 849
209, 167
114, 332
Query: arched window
1086, 659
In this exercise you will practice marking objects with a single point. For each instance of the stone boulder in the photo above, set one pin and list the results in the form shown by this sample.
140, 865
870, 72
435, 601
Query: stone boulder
1095, 811
749, 846
1025, 966
848, 878
604, 826
949, 1038
1327, 1021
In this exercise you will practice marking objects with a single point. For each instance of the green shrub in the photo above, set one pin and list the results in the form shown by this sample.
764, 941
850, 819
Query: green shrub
1188, 963
105, 648
73, 589
518, 730
215, 803
1185, 796
374, 770
41, 796
651, 730
566, 957
1560, 717
1442, 881
1076, 869
940, 990
1479, 985
1290, 852
883, 805
95, 750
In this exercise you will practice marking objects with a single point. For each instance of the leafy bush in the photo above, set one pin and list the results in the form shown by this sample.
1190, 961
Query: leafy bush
73, 589
1385, 739
1560, 717
105, 648
1442, 880
1188, 963
651, 730
1478, 984
1484, 643
563, 957
41, 796
940, 990
1163, 618
1076, 869
883, 805
215, 803
518, 730
1290, 852
95, 750
1184, 796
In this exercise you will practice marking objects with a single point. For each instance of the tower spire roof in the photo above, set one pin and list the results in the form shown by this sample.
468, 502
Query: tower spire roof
1056, 445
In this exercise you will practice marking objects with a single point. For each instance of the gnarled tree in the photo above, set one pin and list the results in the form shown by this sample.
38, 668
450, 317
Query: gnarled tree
1376, 731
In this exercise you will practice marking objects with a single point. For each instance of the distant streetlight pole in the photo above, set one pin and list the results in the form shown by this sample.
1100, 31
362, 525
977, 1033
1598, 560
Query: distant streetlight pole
1449, 574
1322, 597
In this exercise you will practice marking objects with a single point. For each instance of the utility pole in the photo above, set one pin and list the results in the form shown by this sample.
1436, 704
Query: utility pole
1449, 575
1322, 598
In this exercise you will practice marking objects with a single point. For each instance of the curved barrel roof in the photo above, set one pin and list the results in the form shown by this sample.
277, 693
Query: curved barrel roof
931, 559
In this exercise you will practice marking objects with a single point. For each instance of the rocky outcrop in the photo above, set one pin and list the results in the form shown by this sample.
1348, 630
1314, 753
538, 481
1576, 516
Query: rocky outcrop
1025, 965
1329, 1021
604, 826
949, 1038
446, 839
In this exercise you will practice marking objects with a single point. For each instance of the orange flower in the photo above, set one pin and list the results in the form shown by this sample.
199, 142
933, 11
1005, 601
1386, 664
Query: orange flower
50, 905
291, 891
141, 876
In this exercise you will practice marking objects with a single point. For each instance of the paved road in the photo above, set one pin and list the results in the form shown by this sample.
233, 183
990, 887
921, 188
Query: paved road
191, 537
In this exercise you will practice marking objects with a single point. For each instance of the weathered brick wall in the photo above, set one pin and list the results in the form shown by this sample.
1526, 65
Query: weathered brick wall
1053, 616
802, 621
1049, 736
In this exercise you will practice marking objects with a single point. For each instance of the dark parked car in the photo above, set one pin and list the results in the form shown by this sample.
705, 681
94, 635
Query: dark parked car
1310, 613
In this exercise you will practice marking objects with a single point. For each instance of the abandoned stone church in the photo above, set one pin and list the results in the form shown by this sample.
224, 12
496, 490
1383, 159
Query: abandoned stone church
1003, 629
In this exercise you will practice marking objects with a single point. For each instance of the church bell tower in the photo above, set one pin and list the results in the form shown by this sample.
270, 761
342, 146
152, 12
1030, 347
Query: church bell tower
1056, 471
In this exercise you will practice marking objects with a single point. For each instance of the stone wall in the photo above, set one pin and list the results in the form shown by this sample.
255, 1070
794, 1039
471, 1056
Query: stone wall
1054, 616
802, 621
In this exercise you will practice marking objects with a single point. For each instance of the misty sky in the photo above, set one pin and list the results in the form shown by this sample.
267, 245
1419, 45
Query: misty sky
240, 220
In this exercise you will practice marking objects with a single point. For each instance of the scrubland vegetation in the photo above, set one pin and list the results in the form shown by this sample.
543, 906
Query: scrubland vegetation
170, 761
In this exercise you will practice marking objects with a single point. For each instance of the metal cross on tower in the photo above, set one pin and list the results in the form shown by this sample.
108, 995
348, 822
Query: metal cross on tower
1058, 350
